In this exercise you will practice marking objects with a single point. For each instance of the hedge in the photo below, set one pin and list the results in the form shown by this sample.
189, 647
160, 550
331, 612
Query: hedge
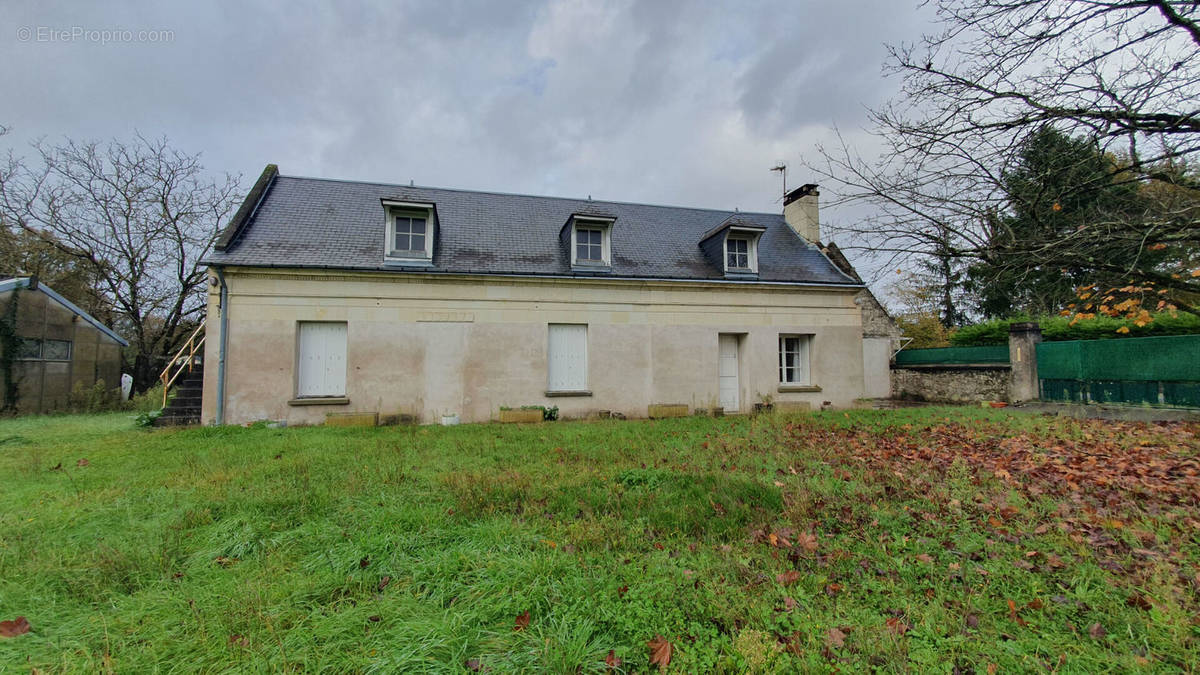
1056, 328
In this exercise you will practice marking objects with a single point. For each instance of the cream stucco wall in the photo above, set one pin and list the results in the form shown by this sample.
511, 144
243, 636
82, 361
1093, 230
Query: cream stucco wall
433, 344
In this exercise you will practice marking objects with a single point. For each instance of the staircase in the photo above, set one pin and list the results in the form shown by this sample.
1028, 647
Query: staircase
184, 408
185, 372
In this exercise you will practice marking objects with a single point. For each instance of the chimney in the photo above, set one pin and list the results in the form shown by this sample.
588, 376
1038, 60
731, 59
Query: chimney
801, 212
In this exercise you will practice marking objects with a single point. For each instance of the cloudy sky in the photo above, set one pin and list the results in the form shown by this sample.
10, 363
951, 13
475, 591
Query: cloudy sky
655, 101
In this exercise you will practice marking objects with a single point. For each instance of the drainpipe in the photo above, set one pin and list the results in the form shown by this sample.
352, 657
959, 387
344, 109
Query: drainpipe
222, 346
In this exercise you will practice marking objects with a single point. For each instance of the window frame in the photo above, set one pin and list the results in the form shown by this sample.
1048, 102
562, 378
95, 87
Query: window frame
751, 238
604, 226
804, 357
397, 210
41, 350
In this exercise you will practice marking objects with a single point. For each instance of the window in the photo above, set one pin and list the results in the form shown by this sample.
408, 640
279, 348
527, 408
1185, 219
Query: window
589, 245
793, 359
410, 230
29, 349
409, 235
591, 241
737, 253
567, 358
56, 350
33, 349
321, 360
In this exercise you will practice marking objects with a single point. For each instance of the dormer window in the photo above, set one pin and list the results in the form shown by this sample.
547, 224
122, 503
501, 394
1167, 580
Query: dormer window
741, 250
591, 241
733, 245
409, 232
589, 245
737, 253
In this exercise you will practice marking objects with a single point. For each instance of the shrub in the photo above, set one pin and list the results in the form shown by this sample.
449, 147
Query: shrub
1056, 328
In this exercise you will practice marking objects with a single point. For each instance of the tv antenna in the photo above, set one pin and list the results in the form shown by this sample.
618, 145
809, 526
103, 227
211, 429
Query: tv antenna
782, 169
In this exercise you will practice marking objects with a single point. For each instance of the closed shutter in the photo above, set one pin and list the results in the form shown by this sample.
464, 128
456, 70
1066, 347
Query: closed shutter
321, 361
567, 357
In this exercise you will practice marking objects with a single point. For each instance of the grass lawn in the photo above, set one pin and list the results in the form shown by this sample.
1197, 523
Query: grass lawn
930, 540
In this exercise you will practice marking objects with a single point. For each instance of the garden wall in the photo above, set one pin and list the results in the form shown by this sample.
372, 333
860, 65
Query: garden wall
951, 383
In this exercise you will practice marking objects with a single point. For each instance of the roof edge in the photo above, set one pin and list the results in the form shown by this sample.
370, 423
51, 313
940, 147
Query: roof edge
248, 208
23, 282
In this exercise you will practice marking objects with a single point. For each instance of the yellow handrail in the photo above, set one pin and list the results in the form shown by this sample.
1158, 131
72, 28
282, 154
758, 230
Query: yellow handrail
191, 346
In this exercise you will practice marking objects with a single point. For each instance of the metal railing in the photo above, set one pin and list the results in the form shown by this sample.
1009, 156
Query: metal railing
184, 359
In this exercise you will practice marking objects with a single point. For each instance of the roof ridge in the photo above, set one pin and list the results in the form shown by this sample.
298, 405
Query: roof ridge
533, 196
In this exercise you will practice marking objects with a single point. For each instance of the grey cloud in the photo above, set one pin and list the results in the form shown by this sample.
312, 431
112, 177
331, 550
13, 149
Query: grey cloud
665, 102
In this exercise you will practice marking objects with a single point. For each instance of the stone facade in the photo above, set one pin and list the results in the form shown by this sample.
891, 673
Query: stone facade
425, 345
952, 383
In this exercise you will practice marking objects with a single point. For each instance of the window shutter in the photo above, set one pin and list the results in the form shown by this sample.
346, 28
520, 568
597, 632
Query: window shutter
567, 357
321, 361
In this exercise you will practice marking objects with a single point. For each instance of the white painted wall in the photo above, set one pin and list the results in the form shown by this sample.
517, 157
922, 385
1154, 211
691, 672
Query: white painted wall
433, 344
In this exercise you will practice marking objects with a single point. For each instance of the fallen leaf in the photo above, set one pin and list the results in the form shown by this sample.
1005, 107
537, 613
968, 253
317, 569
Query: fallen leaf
1012, 613
925, 558
972, 621
807, 541
1036, 603
224, 561
473, 665
236, 640
992, 668
82, 462
362, 564
896, 625
374, 618
1097, 631
833, 589
383, 583
835, 638
18, 626
789, 604
660, 652
788, 578
612, 660
622, 591
522, 622
1139, 601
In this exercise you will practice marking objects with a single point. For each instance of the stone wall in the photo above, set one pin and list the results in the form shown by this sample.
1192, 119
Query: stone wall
952, 383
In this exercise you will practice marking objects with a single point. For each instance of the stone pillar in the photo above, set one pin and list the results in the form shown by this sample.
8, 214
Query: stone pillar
1023, 339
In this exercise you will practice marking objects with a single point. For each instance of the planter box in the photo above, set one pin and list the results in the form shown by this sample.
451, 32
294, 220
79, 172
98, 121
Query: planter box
658, 411
352, 419
521, 416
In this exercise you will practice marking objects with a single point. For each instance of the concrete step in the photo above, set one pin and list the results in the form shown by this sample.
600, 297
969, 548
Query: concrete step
177, 420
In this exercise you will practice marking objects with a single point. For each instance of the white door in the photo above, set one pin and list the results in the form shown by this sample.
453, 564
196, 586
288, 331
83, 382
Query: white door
321, 361
727, 372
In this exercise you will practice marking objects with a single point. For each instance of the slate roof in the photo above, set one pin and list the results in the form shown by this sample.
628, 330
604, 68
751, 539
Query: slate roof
334, 224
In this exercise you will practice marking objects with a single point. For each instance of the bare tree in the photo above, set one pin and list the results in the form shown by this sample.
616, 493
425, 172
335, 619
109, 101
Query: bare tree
141, 216
1123, 74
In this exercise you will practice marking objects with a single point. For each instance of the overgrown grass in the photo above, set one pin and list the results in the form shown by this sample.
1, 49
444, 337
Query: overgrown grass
415, 549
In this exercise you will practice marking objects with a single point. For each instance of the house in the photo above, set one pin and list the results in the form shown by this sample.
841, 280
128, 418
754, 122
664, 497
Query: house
881, 333
57, 348
332, 296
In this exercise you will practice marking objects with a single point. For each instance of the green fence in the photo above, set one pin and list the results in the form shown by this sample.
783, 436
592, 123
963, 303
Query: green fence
952, 355
1153, 370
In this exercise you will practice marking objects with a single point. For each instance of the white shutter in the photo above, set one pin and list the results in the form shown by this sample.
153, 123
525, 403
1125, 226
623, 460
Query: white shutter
567, 357
321, 360
727, 372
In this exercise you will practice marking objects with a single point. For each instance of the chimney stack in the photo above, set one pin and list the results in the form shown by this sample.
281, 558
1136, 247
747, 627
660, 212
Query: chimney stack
800, 210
